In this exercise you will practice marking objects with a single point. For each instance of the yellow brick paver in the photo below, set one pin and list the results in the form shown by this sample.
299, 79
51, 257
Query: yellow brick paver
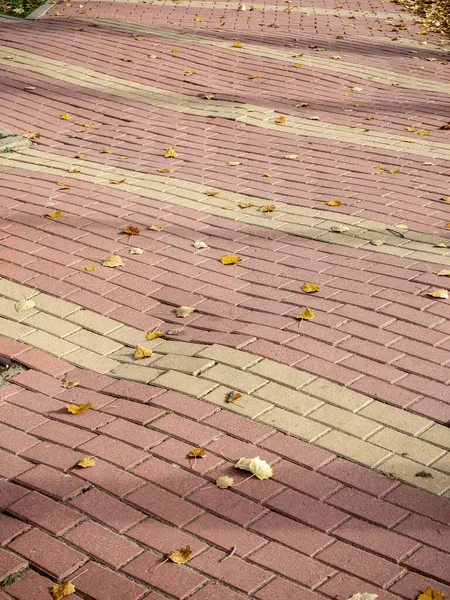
234, 379
296, 425
229, 356
187, 384
405, 469
395, 418
289, 376
333, 393
292, 400
350, 447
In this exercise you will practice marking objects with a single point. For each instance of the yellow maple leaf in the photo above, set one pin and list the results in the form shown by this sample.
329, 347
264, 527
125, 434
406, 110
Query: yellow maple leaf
170, 153
131, 230
230, 260
156, 228
87, 462
90, 269
268, 208
280, 120
309, 288
306, 315
237, 45
153, 335
197, 452
180, 556
141, 352
431, 594
54, 215
65, 117
63, 590
334, 203
439, 293
245, 204
78, 409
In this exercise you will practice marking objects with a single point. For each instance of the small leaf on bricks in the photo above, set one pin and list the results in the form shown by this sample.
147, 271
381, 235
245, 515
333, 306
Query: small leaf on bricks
63, 590
431, 594
200, 245
439, 293
184, 311
260, 468
197, 452
267, 208
70, 383
131, 230
153, 335
78, 409
156, 228
232, 397
334, 203
87, 462
90, 269
24, 305
113, 261
141, 352
306, 315
224, 482
310, 288
230, 260
170, 153
65, 116
180, 557
54, 215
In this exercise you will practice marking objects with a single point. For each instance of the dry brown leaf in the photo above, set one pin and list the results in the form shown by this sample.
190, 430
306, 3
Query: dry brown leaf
141, 352
234, 163
54, 215
212, 193
165, 170
425, 475
224, 482
430, 593
230, 260
24, 305
131, 230
281, 120
245, 205
334, 203
65, 117
184, 311
268, 208
197, 452
113, 261
232, 397
291, 156
237, 45
70, 383
306, 315
90, 269
81, 156
63, 590
170, 153
310, 288
254, 76
30, 135
87, 462
118, 181
439, 293
78, 409
181, 556
156, 228
153, 335
338, 228
189, 73
176, 330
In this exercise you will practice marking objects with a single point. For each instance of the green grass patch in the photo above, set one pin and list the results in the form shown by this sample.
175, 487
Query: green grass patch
19, 8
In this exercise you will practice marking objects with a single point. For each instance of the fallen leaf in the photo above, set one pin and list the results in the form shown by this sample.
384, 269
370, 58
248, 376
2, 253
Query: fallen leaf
54, 215
29, 135
364, 596
197, 452
141, 352
309, 288
291, 156
338, 228
170, 153
297, 65
440, 245
254, 76
424, 132
74, 170
118, 181
232, 397
81, 156
131, 230
394, 171
237, 45
175, 52
65, 117
212, 193
245, 204
230, 260
439, 293
70, 383
126, 59
63, 186
268, 208
280, 120
446, 198
156, 228
429, 593
123, 157
234, 163
63, 590
224, 482
260, 468
444, 272
334, 203
105, 151
90, 269
165, 170
24, 305
189, 73
268, 175
377, 242
78, 409
113, 261
306, 315
176, 330
86, 462
184, 311
356, 89
153, 335
425, 475
199, 20
200, 245
135, 251
180, 557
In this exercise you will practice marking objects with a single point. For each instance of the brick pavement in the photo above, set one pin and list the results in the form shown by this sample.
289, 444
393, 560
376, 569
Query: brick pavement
273, 105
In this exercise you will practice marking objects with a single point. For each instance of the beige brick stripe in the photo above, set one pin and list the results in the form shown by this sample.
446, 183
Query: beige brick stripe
296, 402
294, 220
378, 75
